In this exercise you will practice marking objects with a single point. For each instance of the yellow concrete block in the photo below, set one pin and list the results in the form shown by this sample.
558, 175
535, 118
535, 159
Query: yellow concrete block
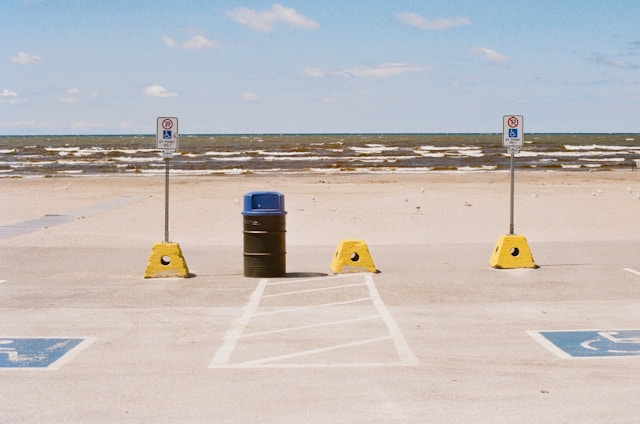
352, 256
512, 251
166, 261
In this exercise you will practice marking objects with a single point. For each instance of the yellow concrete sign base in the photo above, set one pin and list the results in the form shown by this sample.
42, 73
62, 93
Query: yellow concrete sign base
512, 251
352, 256
166, 261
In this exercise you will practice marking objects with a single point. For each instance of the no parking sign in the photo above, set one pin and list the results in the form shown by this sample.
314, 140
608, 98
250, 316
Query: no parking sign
167, 133
512, 133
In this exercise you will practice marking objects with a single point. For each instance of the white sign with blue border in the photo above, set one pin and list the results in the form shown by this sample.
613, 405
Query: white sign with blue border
512, 132
167, 133
590, 343
42, 353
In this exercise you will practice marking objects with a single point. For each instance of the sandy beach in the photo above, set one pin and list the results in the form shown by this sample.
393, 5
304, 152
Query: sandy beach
321, 210
467, 355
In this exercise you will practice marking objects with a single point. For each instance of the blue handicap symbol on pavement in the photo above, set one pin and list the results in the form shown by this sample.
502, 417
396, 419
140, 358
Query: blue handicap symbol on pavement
166, 134
34, 352
513, 133
583, 344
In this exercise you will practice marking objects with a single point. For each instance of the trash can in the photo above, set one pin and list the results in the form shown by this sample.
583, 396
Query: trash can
264, 230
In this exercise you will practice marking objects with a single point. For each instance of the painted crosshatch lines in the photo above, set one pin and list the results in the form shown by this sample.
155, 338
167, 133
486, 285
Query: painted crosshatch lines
337, 321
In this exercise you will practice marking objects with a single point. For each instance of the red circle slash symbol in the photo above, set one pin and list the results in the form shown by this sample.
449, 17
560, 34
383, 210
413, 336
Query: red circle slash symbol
167, 124
512, 122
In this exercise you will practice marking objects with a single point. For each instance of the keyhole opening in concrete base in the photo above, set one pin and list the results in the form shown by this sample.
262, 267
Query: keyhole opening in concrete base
354, 257
165, 260
515, 251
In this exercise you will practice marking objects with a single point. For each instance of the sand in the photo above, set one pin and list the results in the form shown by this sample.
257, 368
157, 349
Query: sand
322, 209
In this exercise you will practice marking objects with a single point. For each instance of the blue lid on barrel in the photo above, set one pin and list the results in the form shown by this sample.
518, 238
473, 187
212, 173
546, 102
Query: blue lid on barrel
263, 203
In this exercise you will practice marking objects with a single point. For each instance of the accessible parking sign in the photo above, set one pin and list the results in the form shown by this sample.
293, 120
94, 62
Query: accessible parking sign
512, 132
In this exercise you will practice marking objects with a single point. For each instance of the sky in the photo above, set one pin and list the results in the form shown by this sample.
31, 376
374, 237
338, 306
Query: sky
318, 66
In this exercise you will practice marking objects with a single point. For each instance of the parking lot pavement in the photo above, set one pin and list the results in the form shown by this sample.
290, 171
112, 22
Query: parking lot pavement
436, 336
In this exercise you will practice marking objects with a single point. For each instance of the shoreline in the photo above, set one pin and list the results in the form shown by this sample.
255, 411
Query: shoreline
337, 173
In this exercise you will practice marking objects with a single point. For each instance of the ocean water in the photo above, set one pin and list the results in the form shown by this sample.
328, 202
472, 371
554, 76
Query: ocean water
48, 156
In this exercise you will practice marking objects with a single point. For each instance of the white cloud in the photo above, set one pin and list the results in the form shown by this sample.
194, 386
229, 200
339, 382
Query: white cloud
386, 70
169, 42
157, 91
265, 20
72, 96
197, 42
250, 97
11, 97
7, 93
23, 58
434, 25
488, 54
314, 72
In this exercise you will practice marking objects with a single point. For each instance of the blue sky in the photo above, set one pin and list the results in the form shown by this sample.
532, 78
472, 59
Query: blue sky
306, 66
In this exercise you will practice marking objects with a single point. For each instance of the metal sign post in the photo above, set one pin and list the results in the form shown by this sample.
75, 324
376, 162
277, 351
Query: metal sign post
512, 139
167, 141
512, 251
166, 199
512, 151
166, 258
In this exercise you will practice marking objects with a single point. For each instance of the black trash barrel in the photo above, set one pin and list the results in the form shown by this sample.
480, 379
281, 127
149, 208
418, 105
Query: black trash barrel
264, 230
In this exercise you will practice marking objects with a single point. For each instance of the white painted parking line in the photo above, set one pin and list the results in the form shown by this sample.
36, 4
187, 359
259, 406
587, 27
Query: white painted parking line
633, 271
249, 364
312, 290
405, 352
322, 305
264, 335
233, 335
306, 327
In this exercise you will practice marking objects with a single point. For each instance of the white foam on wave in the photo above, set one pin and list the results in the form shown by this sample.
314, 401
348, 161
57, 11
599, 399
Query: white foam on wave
429, 147
267, 153
62, 149
450, 151
603, 159
373, 149
594, 147
428, 154
70, 171
287, 158
477, 168
574, 154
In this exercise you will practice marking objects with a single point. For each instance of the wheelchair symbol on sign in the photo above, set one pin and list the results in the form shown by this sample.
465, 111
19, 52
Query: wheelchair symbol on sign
615, 342
166, 135
513, 133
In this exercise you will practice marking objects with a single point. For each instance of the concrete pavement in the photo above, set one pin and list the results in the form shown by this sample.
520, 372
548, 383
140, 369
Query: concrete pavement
441, 337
